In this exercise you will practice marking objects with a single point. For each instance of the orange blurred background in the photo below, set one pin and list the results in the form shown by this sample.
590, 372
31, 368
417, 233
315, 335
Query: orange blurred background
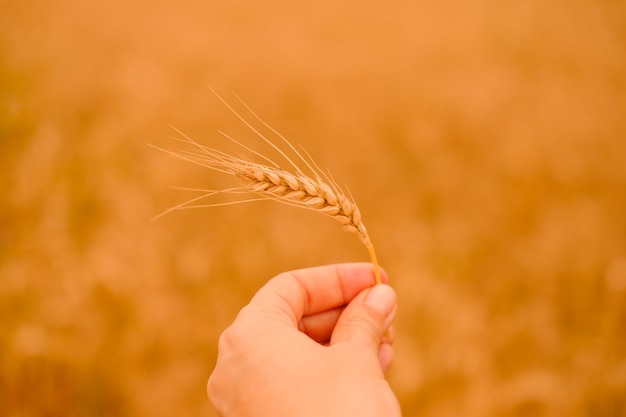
485, 143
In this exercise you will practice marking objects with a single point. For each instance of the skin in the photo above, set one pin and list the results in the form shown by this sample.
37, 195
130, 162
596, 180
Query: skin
311, 342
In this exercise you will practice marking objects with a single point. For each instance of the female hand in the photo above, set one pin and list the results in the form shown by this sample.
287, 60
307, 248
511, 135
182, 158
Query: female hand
312, 342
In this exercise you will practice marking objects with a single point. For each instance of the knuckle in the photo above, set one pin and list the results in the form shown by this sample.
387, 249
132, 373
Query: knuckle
366, 322
212, 388
235, 336
365, 325
230, 347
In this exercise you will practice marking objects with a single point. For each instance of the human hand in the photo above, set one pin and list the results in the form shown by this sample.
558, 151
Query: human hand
311, 342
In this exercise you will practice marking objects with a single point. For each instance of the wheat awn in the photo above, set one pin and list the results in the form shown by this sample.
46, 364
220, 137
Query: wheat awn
315, 191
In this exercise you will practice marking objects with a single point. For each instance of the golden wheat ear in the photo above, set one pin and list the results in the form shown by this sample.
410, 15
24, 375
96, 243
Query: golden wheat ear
303, 186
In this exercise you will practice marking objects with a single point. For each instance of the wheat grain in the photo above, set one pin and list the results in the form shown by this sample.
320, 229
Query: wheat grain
316, 191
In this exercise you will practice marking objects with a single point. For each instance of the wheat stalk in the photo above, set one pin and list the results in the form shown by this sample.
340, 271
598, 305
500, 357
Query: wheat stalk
315, 191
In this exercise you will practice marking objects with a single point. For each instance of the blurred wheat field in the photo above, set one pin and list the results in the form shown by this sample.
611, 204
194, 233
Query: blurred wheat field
484, 142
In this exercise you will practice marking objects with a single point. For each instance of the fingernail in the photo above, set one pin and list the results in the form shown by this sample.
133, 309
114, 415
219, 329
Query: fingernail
381, 299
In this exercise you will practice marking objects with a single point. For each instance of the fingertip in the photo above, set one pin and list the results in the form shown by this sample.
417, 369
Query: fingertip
385, 356
382, 300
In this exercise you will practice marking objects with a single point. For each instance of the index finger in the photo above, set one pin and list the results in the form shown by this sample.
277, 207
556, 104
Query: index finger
303, 292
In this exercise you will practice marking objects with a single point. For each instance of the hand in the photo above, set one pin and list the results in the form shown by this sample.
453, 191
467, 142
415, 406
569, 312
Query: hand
312, 342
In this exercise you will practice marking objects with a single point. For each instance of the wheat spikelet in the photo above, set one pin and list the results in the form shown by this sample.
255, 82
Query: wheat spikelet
315, 191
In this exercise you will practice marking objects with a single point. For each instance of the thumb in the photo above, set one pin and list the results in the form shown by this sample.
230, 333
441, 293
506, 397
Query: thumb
366, 319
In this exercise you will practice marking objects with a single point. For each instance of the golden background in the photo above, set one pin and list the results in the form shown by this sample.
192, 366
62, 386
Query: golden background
484, 141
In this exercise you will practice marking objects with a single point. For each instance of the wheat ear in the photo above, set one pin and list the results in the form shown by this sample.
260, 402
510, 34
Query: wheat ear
316, 191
